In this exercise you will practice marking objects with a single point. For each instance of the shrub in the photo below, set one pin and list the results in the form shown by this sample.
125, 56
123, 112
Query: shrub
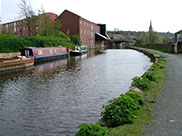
48, 41
12, 43
92, 130
137, 97
150, 76
120, 110
76, 40
142, 83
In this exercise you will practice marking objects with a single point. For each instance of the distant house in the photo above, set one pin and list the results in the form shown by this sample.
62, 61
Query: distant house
20, 28
178, 42
91, 34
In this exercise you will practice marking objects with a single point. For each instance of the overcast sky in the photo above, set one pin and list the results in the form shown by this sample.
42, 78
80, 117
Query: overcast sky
122, 14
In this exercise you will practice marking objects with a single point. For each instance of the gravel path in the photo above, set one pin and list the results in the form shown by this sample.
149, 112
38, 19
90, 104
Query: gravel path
167, 114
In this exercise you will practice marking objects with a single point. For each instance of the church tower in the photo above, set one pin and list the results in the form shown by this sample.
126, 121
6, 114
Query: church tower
150, 32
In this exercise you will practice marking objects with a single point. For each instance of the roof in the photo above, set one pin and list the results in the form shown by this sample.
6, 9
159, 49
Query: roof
178, 32
46, 13
75, 15
102, 36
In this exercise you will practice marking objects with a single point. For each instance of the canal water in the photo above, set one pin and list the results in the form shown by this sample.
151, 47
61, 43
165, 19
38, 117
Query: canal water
53, 99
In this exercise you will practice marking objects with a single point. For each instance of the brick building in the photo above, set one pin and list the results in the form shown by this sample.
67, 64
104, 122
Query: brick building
91, 34
21, 29
178, 42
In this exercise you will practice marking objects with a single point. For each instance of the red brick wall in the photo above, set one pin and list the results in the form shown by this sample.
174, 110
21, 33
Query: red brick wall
87, 32
20, 25
69, 22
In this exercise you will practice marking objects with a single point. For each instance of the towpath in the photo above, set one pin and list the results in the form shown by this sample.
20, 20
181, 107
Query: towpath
167, 114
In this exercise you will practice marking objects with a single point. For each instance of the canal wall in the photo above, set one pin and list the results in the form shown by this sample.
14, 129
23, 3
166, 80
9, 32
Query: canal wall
9, 55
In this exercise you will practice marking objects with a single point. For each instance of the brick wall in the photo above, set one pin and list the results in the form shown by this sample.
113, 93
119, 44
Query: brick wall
70, 22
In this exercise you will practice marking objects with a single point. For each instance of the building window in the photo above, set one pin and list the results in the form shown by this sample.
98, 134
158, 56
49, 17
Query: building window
92, 27
80, 31
179, 37
7, 27
80, 22
14, 28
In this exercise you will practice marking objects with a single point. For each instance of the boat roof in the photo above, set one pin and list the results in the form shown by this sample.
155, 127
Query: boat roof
43, 47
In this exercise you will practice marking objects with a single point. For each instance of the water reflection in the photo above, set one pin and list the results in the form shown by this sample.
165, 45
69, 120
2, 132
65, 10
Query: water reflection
54, 98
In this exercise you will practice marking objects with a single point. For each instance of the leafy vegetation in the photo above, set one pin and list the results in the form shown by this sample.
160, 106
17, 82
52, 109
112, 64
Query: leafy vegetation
155, 37
12, 43
48, 41
144, 113
121, 110
76, 40
156, 48
150, 76
142, 83
137, 97
92, 130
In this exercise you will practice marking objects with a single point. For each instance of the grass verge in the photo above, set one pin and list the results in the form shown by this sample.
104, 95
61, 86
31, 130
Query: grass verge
144, 113
155, 48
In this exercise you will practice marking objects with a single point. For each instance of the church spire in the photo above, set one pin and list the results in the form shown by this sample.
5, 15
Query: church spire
150, 28
150, 32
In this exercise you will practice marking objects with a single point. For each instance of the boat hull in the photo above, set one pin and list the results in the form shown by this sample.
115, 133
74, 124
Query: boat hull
50, 57
15, 63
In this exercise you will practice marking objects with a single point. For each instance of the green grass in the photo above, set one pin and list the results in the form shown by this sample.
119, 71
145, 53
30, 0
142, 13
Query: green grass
144, 114
154, 48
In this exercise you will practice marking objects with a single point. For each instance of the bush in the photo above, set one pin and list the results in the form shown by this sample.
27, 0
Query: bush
120, 110
150, 76
142, 83
12, 43
49, 41
137, 97
59, 35
76, 40
92, 130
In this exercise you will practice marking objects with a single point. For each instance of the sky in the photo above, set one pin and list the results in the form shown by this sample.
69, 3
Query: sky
127, 15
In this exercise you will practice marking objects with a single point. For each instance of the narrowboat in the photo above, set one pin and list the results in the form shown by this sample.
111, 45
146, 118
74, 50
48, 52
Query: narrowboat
79, 50
7, 64
45, 53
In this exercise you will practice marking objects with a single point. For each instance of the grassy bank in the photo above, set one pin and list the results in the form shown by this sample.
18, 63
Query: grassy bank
154, 48
144, 114
127, 114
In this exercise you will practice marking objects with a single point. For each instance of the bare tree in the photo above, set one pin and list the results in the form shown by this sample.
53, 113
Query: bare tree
26, 12
47, 26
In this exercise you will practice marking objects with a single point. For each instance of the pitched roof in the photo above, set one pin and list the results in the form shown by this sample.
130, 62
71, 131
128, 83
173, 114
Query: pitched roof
75, 15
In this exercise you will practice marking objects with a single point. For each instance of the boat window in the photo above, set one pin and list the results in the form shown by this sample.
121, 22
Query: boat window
27, 53
40, 52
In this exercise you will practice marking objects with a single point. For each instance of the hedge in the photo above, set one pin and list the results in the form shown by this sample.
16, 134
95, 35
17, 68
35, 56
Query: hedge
48, 41
10, 43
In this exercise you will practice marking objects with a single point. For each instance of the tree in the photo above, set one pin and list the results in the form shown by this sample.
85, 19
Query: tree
28, 14
47, 26
76, 40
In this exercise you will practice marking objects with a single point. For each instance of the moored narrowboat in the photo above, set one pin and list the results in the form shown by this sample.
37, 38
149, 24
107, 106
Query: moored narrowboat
45, 53
7, 64
79, 50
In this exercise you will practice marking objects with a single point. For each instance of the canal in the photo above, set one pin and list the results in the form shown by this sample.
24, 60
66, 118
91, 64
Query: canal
53, 99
